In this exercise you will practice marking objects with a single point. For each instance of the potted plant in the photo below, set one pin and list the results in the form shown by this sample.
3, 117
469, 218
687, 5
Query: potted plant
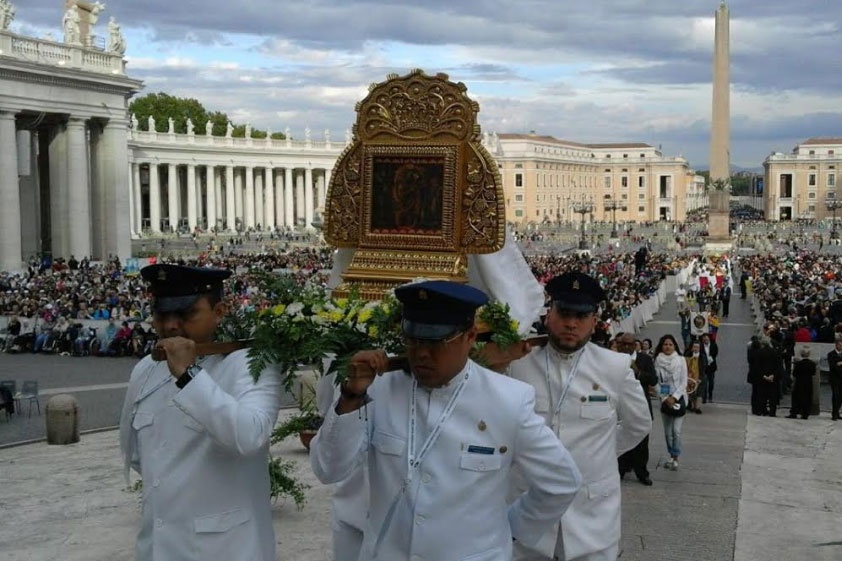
305, 424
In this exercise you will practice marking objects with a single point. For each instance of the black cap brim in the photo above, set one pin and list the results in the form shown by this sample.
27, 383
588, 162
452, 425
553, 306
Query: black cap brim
574, 306
428, 331
170, 304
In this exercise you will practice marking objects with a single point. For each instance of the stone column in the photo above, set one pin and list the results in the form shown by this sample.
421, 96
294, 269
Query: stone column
211, 185
249, 198
29, 180
230, 200
58, 243
11, 258
137, 199
115, 173
201, 189
220, 199
259, 217
172, 195
155, 197
323, 202
308, 198
289, 209
191, 197
238, 197
279, 197
299, 198
79, 199
269, 193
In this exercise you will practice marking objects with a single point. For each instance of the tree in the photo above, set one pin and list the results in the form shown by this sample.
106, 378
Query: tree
162, 107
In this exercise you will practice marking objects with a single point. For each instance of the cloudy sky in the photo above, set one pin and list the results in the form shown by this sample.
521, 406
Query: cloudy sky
589, 71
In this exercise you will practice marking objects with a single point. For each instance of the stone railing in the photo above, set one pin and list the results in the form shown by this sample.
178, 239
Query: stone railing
268, 143
43, 51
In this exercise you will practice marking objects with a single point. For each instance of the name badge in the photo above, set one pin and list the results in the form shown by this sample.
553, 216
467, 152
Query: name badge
480, 450
592, 398
665, 389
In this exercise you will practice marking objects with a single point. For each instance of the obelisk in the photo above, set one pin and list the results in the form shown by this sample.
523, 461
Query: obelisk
720, 153
720, 123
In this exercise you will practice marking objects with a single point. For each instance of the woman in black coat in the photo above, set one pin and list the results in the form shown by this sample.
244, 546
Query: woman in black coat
802, 392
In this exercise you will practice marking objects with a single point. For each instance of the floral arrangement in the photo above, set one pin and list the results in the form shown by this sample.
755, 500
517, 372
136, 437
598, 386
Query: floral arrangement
293, 326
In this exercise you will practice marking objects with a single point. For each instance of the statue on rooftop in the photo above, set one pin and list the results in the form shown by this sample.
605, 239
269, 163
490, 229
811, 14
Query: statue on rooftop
209, 128
190, 128
70, 24
150, 124
170, 125
116, 41
7, 14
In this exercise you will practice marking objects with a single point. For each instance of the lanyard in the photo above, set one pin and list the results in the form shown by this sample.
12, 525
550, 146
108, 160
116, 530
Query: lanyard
573, 371
413, 461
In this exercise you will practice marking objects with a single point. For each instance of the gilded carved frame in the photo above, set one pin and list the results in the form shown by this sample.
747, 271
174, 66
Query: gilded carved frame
415, 186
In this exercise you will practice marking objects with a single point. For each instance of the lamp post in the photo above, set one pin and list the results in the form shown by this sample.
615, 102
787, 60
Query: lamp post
832, 206
613, 205
583, 208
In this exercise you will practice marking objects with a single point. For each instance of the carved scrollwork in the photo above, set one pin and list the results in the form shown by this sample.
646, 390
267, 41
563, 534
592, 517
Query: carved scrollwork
415, 107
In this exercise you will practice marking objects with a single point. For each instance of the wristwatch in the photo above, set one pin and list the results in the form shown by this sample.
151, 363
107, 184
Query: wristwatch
191, 372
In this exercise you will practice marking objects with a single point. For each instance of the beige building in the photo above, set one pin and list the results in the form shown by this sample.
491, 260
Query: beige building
546, 180
803, 184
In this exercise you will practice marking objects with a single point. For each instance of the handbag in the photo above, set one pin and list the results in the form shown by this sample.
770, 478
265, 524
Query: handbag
672, 411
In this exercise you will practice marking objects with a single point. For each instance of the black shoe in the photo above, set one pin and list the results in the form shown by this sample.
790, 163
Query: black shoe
804, 417
792, 416
697, 411
645, 480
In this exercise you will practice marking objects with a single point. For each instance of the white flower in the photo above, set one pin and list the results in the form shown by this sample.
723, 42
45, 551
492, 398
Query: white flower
294, 308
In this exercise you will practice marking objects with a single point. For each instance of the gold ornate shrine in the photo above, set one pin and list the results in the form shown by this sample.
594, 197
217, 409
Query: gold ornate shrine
415, 191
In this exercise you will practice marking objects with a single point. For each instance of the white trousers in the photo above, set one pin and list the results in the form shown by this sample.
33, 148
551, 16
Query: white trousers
525, 554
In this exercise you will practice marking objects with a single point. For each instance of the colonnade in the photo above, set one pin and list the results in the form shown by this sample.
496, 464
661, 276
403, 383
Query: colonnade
172, 196
62, 188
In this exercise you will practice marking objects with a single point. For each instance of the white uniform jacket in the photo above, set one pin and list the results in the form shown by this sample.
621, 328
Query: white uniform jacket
202, 453
455, 507
603, 415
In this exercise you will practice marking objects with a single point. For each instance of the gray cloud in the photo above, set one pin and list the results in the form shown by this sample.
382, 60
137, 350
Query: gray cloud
639, 47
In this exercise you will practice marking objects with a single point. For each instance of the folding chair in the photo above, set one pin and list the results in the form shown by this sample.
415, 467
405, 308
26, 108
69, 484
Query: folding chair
29, 392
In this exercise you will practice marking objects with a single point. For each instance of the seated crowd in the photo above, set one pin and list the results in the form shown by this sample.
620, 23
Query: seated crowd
49, 306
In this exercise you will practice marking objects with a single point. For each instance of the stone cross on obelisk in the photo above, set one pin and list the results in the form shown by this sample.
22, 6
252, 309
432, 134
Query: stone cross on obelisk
720, 152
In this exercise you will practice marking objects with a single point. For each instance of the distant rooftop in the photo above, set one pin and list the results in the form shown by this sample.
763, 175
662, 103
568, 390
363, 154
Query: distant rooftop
823, 140
553, 140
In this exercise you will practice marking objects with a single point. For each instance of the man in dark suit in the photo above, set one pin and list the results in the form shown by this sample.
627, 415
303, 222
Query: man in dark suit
644, 370
709, 351
834, 361
725, 297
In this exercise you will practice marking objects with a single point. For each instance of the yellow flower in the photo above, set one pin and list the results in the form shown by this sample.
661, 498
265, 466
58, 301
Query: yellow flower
365, 315
372, 331
278, 310
336, 316
513, 325
341, 302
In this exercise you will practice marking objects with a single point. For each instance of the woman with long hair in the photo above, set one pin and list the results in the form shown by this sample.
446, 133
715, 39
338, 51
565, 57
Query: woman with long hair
672, 377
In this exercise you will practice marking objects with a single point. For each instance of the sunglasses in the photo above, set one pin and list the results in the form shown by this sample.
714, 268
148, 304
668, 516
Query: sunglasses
412, 343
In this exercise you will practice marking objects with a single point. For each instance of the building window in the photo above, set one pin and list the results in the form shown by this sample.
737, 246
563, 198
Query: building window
624, 196
642, 196
641, 209
518, 198
830, 152
811, 180
624, 181
831, 179
518, 180
830, 195
607, 182
625, 155
641, 182
812, 152
811, 208
811, 195
607, 170
518, 166
643, 155
519, 213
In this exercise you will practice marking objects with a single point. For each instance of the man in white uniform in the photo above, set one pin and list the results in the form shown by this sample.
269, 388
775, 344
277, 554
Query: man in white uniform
590, 398
440, 443
197, 431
